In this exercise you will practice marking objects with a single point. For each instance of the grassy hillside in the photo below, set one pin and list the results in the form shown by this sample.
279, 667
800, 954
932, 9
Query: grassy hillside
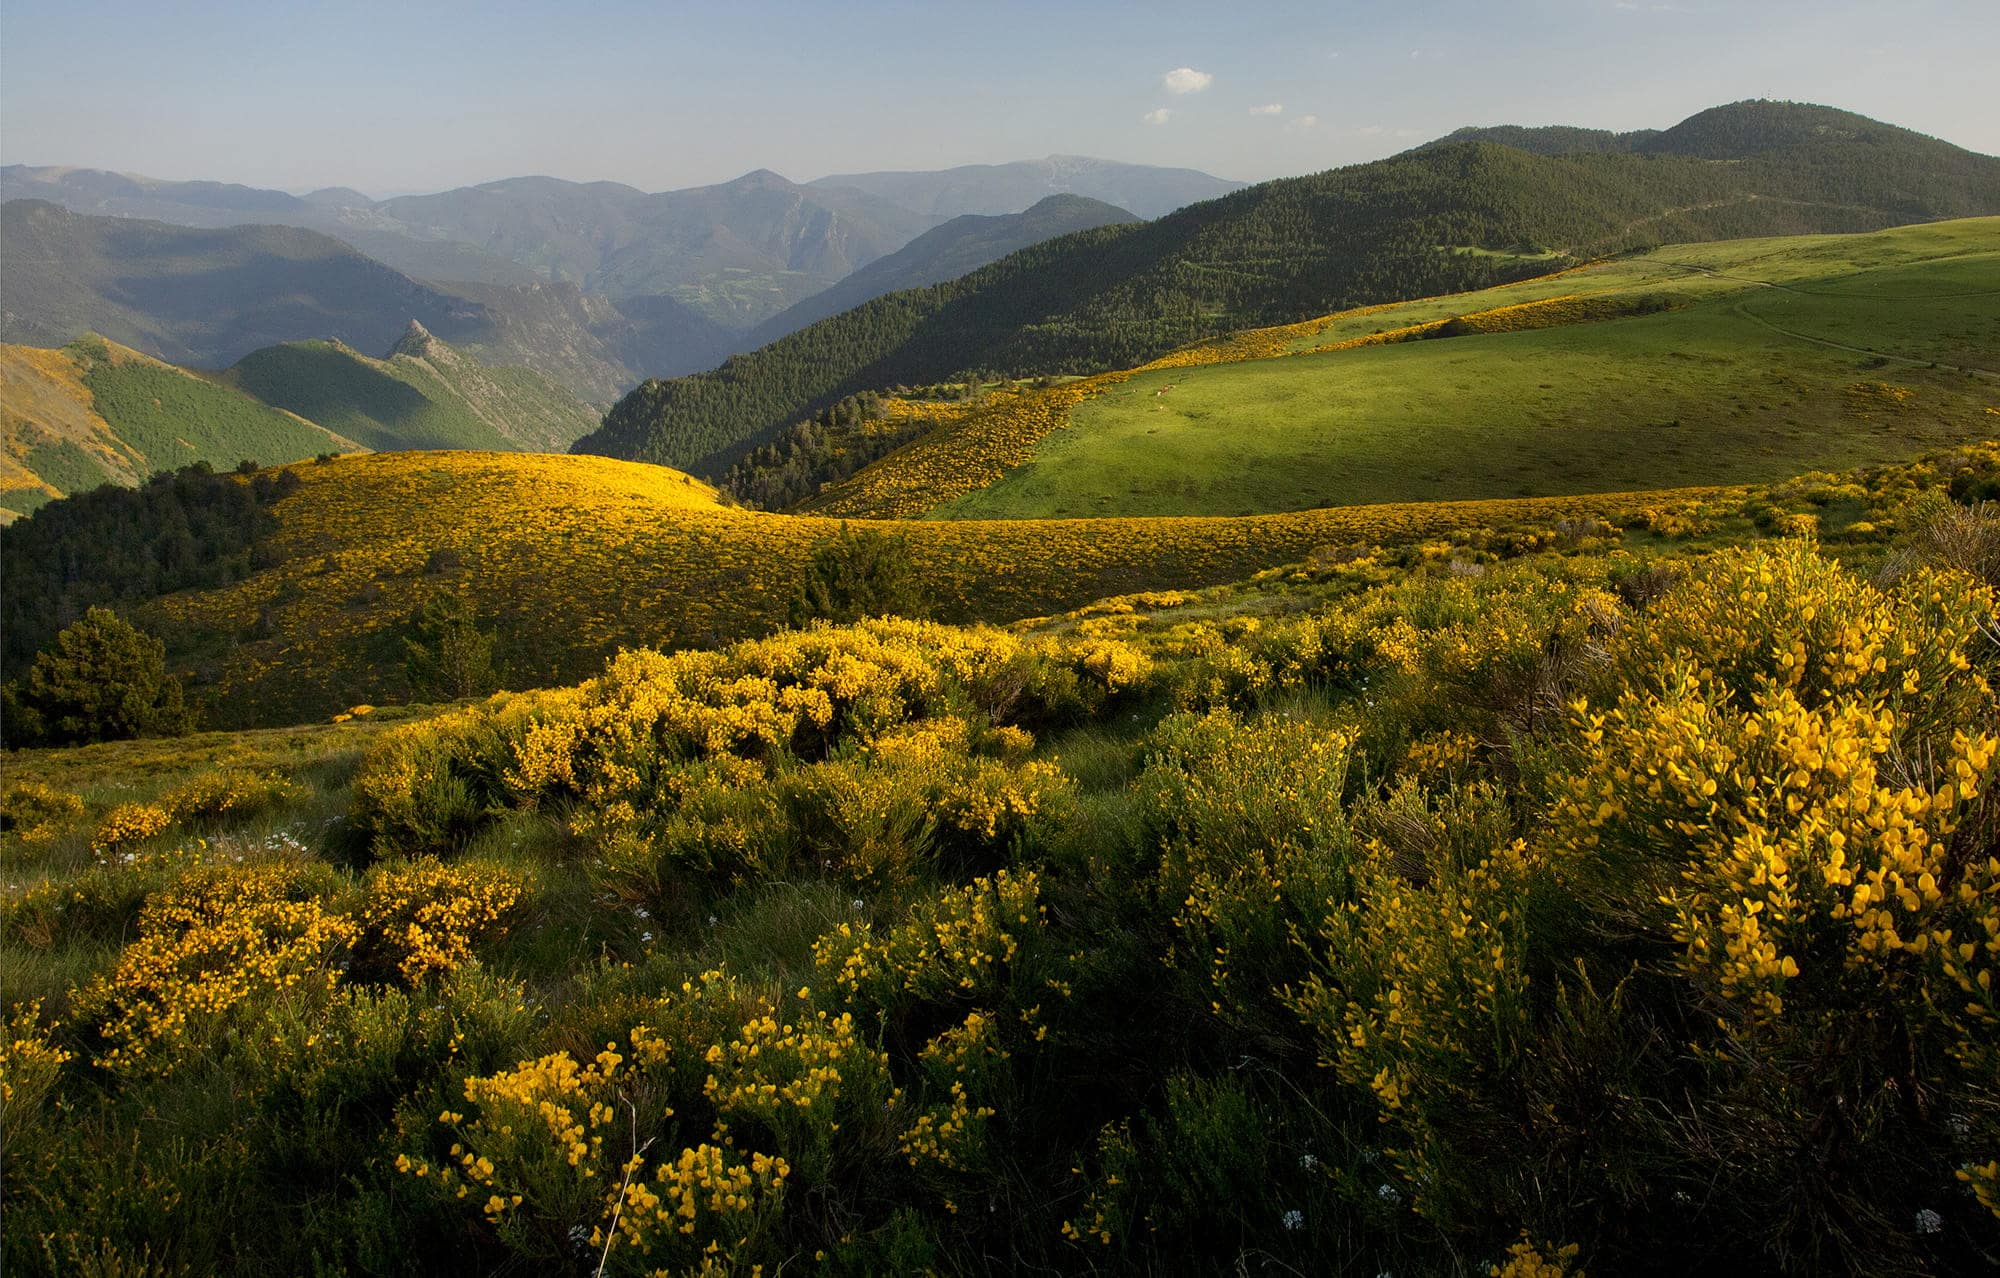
1442, 909
425, 395
96, 412
1692, 365
570, 558
54, 440
1283, 251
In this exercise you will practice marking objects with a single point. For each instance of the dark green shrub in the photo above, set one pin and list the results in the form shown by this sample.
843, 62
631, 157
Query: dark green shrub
102, 680
854, 575
446, 655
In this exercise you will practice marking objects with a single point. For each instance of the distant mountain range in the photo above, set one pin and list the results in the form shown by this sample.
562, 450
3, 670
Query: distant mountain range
1287, 250
596, 286
738, 252
204, 297
1147, 191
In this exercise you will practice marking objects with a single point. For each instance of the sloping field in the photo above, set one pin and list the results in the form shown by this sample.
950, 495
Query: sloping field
1696, 364
570, 558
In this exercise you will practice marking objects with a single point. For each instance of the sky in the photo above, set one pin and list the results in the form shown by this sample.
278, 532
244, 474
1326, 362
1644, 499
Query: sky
424, 95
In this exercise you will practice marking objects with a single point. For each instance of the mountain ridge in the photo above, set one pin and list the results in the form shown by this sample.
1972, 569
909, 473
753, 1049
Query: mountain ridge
1148, 191
944, 252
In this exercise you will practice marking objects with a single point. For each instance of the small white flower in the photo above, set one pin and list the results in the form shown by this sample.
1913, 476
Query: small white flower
711, 920
1308, 1162
1388, 1193
640, 911
1929, 1222
1294, 1219
646, 937
858, 903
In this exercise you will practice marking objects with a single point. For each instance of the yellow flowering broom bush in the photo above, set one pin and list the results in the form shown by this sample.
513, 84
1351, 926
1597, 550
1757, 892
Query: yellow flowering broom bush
1423, 994
1253, 836
422, 918
130, 823
958, 946
210, 950
30, 1062
1790, 794
35, 813
557, 1150
232, 793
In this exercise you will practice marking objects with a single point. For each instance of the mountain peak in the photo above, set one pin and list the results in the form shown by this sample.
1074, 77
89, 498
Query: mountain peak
759, 178
417, 342
1739, 130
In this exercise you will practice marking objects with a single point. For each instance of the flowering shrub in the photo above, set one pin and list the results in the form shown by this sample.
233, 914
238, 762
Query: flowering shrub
964, 1061
29, 1065
957, 945
130, 823
35, 813
1254, 841
231, 793
1423, 999
809, 1082
531, 1158
1526, 1260
423, 917
209, 950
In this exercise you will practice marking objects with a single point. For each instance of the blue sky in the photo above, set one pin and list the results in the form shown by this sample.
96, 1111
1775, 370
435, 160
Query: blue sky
429, 94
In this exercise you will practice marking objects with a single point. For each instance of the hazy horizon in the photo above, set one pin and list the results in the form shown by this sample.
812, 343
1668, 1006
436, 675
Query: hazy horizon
391, 101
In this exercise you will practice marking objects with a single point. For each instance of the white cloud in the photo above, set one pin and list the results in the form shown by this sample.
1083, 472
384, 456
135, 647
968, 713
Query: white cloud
1186, 80
1304, 122
1158, 115
1269, 108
